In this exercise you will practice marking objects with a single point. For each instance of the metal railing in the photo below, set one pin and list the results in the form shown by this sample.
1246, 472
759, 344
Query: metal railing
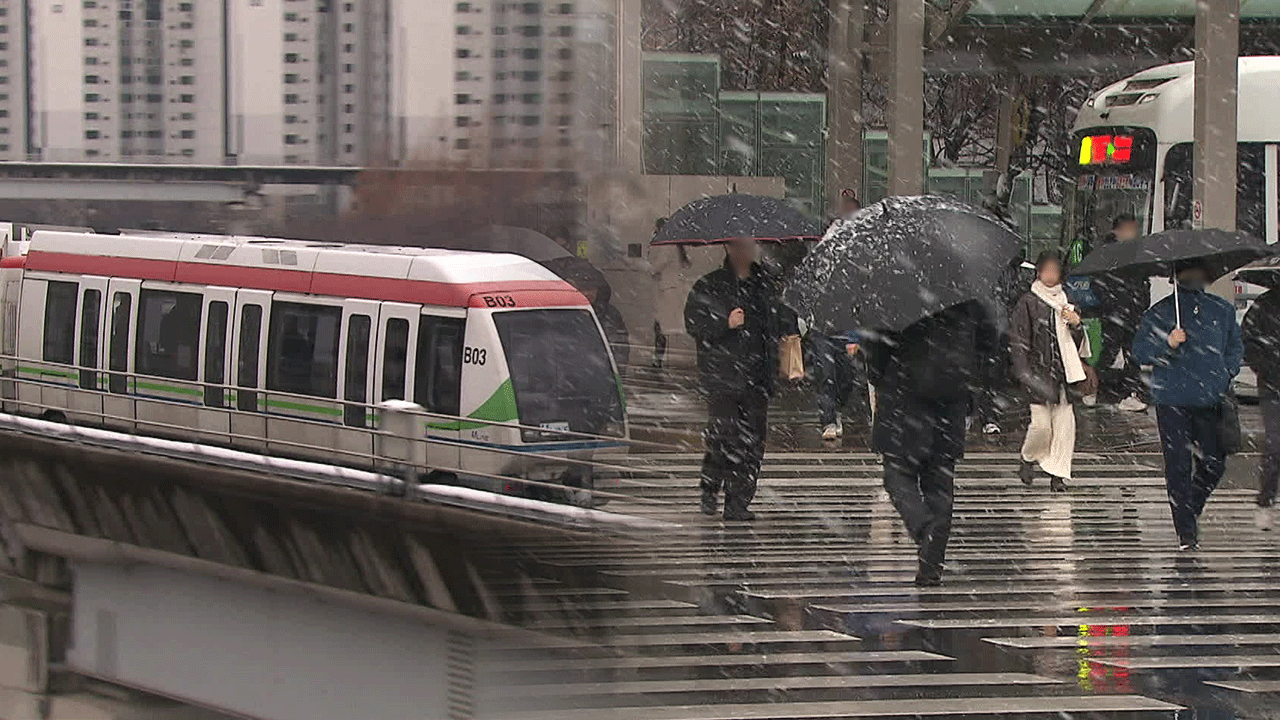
399, 471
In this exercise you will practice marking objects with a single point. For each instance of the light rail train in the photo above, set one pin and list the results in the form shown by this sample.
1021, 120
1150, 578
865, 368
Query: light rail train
287, 347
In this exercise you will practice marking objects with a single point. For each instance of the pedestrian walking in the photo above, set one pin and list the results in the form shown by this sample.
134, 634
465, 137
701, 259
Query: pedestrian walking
734, 316
1193, 341
1261, 336
834, 355
1122, 300
1047, 342
849, 203
923, 377
993, 396
836, 376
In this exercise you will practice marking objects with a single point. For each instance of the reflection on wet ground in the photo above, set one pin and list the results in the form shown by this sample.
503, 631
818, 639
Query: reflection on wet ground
1077, 605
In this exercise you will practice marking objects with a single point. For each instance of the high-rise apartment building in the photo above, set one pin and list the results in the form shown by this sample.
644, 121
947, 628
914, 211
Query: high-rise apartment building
484, 83
507, 84
203, 81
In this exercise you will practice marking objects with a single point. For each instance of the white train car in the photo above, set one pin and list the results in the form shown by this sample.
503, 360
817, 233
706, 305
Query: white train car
286, 347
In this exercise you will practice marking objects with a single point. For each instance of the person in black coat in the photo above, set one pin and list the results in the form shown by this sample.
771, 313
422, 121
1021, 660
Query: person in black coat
924, 377
1122, 301
1047, 344
735, 318
1261, 335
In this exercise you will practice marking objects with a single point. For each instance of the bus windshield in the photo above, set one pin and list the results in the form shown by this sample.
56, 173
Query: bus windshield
561, 373
1113, 176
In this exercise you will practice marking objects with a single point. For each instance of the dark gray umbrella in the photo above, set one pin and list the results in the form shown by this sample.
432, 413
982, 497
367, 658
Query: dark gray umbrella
722, 218
900, 261
1221, 250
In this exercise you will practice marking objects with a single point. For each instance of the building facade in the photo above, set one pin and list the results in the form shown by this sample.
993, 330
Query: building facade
199, 81
508, 84
478, 83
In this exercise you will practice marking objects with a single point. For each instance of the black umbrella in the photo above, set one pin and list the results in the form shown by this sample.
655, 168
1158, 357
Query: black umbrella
722, 218
1264, 272
900, 261
1221, 250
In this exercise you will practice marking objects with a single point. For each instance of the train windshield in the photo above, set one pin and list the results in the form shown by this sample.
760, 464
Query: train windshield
561, 372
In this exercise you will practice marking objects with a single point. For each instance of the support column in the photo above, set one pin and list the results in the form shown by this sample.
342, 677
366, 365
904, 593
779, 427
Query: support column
906, 97
1005, 130
630, 73
844, 97
1216, 76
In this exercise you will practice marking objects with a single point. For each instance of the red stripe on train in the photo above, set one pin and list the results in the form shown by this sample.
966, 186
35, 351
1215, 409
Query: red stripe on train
527, 293
15, 261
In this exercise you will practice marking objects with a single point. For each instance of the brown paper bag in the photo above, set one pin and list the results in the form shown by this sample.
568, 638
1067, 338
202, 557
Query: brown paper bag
790, 358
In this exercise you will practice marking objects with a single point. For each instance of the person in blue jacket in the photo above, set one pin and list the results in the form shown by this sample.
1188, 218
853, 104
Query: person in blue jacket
1195, 350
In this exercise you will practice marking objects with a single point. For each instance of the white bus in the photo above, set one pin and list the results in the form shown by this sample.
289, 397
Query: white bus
1132, 154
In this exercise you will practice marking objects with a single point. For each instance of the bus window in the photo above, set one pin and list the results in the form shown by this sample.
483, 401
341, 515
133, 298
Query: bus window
395, 359
169, 334
359, 327
439, 365
302, 355
247, 366
90, 312
118, 361
60, 322
215, 354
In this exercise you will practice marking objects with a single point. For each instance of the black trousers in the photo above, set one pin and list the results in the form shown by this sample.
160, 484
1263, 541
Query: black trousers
923, 491
835, 375
1269, 476
993, 397
1117, 340
735, 435
1194, 463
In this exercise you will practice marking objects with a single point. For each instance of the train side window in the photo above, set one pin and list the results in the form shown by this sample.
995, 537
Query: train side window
215, 354
359, 327
12, 291
118, 360
169, 334
302, 349
90, 320
247, 368
60, 322
439, 366
395, 359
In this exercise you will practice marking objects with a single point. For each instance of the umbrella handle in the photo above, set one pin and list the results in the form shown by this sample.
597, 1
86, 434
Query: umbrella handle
1177, 307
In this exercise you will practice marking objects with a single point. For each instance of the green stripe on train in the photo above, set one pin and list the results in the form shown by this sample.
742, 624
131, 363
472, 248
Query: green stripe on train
499, 408
48, 373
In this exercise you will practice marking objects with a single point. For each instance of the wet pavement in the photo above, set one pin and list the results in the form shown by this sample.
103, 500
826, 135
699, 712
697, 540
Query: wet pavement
1075, 605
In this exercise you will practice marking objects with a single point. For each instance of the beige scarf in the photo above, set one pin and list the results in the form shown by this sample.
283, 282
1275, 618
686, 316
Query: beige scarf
1056, 298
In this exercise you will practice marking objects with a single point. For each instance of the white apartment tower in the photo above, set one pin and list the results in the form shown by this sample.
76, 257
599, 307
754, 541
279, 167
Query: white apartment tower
507, 84
199, 81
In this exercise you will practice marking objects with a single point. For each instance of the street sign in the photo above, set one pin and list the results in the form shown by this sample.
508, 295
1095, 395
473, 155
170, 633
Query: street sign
1197, 215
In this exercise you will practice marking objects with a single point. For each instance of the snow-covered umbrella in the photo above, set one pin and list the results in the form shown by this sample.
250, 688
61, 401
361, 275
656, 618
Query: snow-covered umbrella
901, 260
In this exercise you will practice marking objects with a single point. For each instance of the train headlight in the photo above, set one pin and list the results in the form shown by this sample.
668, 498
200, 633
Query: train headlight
1090, 102
1149, 97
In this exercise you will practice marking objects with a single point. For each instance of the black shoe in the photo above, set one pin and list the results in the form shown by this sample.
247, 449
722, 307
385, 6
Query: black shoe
710, 503
738, 514
929, 574
1027, 472
928, 581
1057, 485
